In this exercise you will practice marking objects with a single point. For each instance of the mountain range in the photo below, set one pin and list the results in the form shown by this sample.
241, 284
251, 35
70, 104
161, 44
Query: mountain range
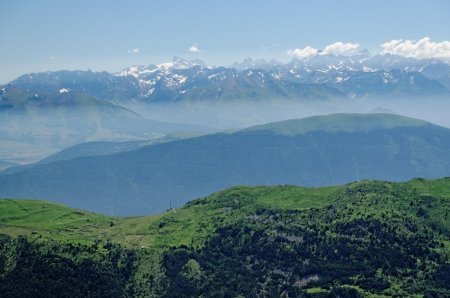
90, 140
35, 124
316, 151
42, 113
321, 76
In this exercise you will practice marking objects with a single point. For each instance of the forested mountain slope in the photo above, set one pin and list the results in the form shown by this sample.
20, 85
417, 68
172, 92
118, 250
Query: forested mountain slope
315, 151
367, 238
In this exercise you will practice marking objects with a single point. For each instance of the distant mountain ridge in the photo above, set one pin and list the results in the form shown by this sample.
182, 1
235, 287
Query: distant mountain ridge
338, 122
321, 76
36, 123
124, 105
95, 148
307, 152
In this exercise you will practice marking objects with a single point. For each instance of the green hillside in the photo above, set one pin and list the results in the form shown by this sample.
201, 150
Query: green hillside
368, 238
40, 219
317, 151
339, 122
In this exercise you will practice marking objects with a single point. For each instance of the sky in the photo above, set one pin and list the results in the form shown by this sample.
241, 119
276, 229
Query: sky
111, 35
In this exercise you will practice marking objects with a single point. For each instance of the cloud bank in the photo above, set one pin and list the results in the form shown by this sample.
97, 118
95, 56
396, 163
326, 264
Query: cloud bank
423, 48
303, 53
337, 48
340, 48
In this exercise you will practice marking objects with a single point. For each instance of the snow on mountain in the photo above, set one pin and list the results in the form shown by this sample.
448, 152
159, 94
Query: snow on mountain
333, 66
166, 74
176, 63
318, 76
137, 71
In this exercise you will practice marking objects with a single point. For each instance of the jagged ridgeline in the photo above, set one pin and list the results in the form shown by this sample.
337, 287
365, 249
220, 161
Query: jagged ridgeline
42, 113
322, 76
367, 238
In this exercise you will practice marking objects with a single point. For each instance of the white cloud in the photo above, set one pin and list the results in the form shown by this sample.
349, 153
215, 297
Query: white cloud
194, 49
303, 53
423, 48
339, 48
134, 51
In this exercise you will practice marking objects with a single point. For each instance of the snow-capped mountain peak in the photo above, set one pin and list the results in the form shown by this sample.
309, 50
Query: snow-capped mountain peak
137, 70
177, 63
180, 63
351, 75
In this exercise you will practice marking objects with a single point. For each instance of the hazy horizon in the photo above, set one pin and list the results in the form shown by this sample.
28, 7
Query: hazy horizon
109, 36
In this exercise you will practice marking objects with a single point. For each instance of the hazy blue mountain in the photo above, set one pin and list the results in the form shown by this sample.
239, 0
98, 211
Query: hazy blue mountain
321, 76
360, 74
170, 82
179, 80
364, 76
249, 63
393, 83
438, 71
35, 124
97, 148
315, 151
101, 85
5, 164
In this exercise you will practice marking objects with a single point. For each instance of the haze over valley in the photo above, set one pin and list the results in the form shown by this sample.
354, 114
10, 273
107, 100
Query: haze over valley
46, 112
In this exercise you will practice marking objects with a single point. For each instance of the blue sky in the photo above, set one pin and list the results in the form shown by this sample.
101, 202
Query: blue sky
101, 35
